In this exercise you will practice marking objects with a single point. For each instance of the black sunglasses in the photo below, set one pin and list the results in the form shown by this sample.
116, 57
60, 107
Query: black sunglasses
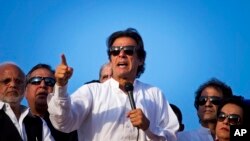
115, 50
213, 99
233, 119
49, 81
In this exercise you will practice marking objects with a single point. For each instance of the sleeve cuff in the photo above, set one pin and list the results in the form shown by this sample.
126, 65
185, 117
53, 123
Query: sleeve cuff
60, 91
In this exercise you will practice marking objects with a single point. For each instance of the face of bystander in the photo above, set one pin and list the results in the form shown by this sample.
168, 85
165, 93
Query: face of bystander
12, 81
208, 104
230, 114
37, 90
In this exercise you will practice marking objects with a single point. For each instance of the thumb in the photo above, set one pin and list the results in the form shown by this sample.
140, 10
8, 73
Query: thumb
63, 60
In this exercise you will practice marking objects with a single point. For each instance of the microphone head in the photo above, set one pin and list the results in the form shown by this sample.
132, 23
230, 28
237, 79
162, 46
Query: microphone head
129, 87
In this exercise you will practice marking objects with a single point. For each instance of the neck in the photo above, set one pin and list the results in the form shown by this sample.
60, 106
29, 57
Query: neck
16, 108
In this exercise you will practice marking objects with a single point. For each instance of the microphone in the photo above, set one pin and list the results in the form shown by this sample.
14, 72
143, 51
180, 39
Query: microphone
129, 89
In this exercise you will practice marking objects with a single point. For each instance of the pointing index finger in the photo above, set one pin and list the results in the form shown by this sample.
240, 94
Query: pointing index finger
63, 60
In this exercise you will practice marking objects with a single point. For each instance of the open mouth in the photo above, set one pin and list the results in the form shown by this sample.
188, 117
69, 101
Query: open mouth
122, 64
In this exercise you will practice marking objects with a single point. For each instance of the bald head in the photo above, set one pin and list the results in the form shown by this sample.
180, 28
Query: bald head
105, 72
12, 82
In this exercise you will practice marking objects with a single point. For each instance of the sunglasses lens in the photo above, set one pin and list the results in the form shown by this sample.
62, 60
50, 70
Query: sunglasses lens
49, 81
129, 50
215, 100
35, 80
202, 101
233, 119
115, 52
222, 117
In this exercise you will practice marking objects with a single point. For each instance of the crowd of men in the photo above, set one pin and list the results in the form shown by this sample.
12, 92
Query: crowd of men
109, 108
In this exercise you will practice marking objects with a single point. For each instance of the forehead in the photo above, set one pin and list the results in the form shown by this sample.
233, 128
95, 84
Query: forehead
41, 72
106, 68
10, 71
231, 108
211, 91
124, 41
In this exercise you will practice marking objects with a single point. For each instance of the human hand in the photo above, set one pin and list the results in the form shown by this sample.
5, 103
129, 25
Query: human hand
138, 119
63, 72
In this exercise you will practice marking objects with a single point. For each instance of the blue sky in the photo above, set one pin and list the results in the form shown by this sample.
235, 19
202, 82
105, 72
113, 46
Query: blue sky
187, 42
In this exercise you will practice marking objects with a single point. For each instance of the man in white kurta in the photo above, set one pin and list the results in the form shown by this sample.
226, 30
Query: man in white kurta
102, 111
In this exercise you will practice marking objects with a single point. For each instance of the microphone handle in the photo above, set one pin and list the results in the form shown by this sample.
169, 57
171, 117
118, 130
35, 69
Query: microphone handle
131, 100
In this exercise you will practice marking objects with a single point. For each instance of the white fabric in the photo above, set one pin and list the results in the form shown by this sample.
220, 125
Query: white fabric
99, 112
200, 134
19, 123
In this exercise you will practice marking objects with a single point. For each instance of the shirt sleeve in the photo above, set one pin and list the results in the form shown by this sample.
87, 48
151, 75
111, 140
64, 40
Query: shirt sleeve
68, 112
164, 125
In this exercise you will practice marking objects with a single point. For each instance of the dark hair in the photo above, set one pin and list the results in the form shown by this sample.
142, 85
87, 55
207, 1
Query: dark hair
92, 81
215, 83
39, 66
178, 114
239, 101
132, 33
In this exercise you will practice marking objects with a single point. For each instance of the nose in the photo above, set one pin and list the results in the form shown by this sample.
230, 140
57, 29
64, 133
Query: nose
122, 53
208, 102
42, 83
12, 83
15, 82
225, 121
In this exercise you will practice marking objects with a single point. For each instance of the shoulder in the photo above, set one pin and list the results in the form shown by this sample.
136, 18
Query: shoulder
145, 86
196, 134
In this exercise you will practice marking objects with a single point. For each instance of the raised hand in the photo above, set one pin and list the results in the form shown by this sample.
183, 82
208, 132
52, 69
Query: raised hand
63, 72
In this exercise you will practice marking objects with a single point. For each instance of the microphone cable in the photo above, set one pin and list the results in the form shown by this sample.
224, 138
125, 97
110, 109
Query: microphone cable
138, 133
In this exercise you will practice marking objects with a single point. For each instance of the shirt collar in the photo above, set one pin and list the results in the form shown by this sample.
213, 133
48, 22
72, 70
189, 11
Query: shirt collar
1, 105
24, 109
116, 83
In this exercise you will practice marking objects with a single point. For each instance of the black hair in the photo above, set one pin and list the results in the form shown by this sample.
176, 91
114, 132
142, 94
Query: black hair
132, 33
215, 83
178, 114
239, 101
39, 66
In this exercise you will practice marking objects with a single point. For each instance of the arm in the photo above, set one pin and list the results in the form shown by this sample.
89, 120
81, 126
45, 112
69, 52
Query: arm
155, 116
167, 126
66, 112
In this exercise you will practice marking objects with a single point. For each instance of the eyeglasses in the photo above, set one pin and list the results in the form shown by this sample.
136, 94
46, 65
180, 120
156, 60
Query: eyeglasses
49, 81
7, 81
233, 119
213, 99
128, 50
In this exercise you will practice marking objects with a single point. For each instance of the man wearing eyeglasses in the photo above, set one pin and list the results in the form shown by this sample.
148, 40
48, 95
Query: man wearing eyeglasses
207, 99
16, 121
101, 111
40, 83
